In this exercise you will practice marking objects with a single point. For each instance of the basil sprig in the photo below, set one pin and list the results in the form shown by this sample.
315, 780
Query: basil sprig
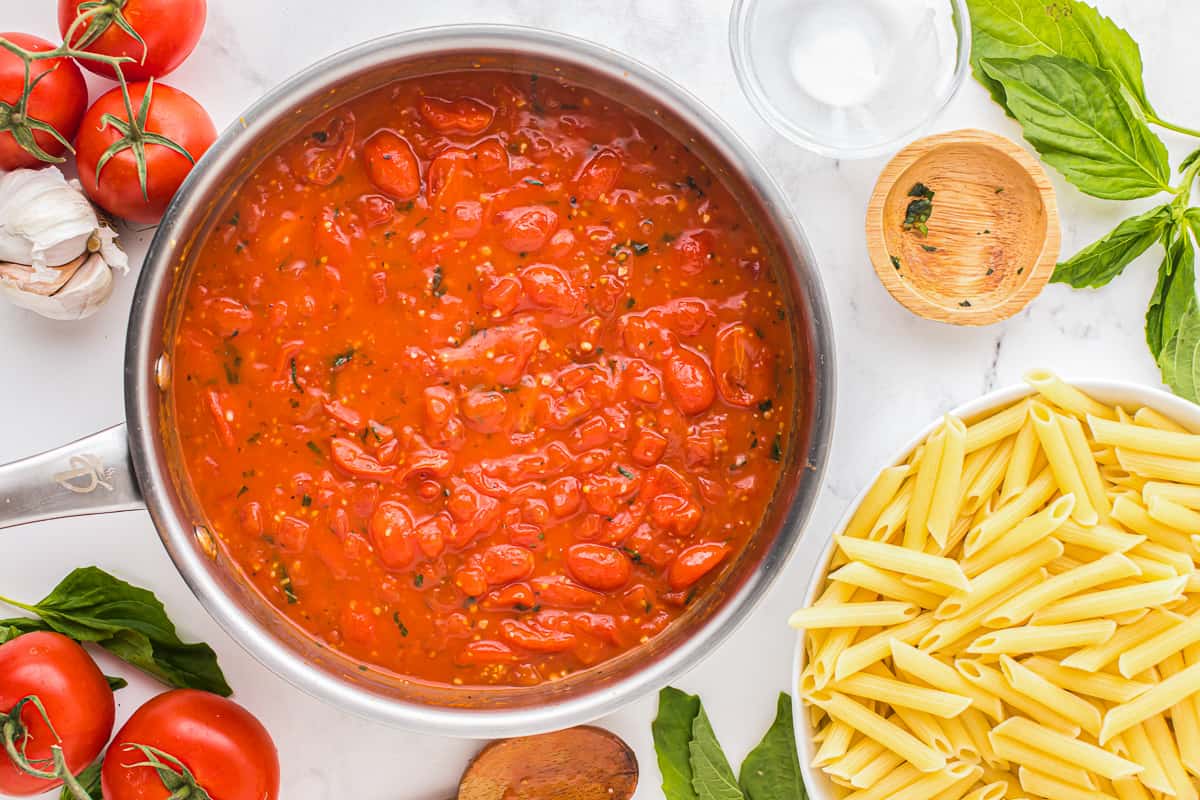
89, 605
1073, 79
694, 767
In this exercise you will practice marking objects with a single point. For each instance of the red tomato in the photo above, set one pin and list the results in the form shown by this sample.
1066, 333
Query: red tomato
464, 115
392, 164
527, 228
59, 100
599, 175
225, 748
169, 28
322, 152
694, 563
742, 367
391, 531
689, 381
117, 188
597, 566
505, 563
76, 697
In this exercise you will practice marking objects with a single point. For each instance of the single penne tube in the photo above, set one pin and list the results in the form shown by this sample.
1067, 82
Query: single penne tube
944, 635
856, 758
983, 486
855, 615
1007, 516
1107, 602
1049, 430
891, 519
978, 729
1174, 516
1019, 468
926, 728
1040, 638
1102, 685
877, 647
974, 463
882, 492
1000, 425
1032, 685
1180, 562
1086, 465
1111, 567
1039, 784
1156, 649
1153, 570
1027, 533
886, 584
1073, 751
929, 785
1130, 789
1021, 753
1067, 397
990, 680
1185, 719
887, 733
943, 503
990, 582
1162, 739
1146, 440
892, 780
923, 666
990, 791
1156, 467
1138, 520
880, 769
1149, 418
1097, 657
1136, 746
824, 659
1181, 493
898, 693
906, 561
836, 742
915, 524
1104, 538
1153, 701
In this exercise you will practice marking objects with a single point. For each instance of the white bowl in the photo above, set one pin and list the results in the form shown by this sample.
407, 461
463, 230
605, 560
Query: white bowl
1129, 395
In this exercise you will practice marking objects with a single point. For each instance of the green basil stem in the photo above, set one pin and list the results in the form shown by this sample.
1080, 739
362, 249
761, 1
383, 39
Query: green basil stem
1162, 123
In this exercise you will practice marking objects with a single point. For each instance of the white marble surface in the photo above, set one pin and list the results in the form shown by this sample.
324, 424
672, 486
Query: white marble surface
60, 381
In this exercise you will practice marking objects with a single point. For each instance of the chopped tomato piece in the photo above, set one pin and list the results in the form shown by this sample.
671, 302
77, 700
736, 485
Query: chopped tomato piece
461, 115
695, 562
392, 164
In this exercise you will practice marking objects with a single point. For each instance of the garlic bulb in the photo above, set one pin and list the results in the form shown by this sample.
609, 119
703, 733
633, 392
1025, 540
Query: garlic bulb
56, 254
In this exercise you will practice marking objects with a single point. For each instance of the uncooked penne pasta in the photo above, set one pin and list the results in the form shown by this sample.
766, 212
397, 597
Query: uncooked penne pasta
943, 503
1013, 613
1065, 396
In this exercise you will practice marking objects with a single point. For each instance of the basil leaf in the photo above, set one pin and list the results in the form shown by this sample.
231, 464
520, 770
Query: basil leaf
17, 626
116, 682
89, 779
1173, 293
1102, 260
672, 730
1180, 358
772, 770
1075, 116
1189, 161
1068, 28
89, 605
712, 777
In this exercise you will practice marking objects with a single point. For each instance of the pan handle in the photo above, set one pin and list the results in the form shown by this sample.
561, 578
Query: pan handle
93, 475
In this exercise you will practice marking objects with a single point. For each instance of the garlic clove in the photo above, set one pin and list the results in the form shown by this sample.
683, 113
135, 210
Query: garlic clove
81, 296
45, 283
46, 221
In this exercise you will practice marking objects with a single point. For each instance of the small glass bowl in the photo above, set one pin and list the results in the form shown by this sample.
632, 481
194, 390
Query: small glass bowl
850, 78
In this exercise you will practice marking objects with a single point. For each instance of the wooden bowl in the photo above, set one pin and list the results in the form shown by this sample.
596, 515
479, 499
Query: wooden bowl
993, 235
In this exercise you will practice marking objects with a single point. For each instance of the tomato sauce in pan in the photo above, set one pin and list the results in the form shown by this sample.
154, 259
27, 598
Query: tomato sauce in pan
482, 378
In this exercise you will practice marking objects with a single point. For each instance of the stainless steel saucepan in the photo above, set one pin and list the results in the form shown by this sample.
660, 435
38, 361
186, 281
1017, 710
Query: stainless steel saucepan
136, 464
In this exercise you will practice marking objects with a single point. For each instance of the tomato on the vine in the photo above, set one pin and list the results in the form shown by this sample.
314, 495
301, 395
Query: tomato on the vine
157, 34
133, 155
56, 103
74, 695
188, 735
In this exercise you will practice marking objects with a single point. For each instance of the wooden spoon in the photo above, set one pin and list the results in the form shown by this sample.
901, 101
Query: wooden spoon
582, 763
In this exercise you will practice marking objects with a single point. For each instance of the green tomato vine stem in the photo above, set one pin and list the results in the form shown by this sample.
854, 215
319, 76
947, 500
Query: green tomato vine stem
13, 730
